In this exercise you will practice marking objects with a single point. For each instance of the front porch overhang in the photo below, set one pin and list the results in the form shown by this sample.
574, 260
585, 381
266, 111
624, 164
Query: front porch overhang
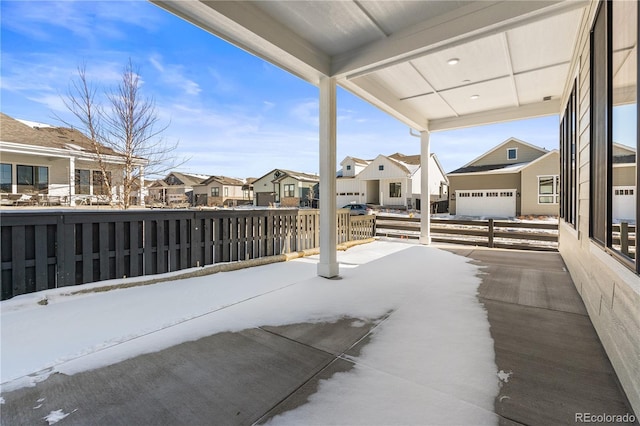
433, 65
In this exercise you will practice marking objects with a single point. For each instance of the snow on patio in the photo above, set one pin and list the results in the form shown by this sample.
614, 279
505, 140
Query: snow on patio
431, 361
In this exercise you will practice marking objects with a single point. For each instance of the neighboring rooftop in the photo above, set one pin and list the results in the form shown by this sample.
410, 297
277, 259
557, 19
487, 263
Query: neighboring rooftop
47, 136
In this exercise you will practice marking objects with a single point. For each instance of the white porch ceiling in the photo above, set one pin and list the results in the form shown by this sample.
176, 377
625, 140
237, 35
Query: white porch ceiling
514, 56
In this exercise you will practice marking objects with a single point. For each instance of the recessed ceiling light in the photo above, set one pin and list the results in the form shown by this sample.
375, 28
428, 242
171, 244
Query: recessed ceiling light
475, 96
466, 81
453, 61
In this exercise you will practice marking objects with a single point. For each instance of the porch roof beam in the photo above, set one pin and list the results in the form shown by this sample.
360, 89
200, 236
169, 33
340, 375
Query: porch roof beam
479, 19
539, 109
247, 27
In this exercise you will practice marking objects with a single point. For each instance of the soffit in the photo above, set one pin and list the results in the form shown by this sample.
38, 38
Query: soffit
514, 56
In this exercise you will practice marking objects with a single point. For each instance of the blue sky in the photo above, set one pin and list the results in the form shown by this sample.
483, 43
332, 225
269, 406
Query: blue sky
231, 113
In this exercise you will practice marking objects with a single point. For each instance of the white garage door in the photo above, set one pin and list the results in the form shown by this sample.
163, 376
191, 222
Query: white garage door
486, 202
624, 203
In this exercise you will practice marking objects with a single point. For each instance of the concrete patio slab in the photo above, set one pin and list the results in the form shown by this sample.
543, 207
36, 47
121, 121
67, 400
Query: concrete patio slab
555, 366
224, 379
549, 356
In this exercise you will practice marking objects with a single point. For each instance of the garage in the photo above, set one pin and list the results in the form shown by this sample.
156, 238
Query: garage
624, 203
486, 202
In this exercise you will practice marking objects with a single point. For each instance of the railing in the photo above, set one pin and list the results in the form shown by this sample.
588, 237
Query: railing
56, 248
624, 238
487, 233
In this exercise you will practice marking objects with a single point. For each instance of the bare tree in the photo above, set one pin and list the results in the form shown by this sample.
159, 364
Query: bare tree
124, 123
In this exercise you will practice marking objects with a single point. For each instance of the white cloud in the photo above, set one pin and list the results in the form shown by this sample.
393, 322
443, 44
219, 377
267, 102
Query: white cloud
155, 61
307, 112
91, 20
220, 83
173, 75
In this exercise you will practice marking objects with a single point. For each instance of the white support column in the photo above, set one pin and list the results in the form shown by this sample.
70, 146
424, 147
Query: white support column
72, 181
425, 193
141, 192
328, 264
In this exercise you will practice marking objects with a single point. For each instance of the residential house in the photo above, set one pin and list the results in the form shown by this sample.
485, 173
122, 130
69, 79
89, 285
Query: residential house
286, 188
624, 185
176, 187
466, 64
247, 189
391, 181
512, 179
43, 161
220, 191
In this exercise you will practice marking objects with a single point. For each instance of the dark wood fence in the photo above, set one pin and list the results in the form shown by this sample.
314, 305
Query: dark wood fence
48, 249
487, 233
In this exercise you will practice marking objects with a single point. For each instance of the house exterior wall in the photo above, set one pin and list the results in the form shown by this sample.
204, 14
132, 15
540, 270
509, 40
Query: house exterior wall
58, 170
60, 177
525, 154
349, 190
263, 185
355, 168
624, 176
385, 197
610, 291
549, 166
234, 193
371, 184
497, 181
391, 170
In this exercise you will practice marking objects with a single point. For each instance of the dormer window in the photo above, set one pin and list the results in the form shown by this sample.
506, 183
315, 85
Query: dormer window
348, 166
512, 154
381, 167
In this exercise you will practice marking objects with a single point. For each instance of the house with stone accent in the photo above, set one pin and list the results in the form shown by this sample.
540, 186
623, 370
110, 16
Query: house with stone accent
286, 188
220, 191
175, 189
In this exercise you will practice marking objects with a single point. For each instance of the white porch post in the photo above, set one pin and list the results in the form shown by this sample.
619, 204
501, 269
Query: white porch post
425, 193
141, 192
72, 181
328, 264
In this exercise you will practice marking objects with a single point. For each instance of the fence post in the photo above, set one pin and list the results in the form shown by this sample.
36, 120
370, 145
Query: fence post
490, 242
624, 238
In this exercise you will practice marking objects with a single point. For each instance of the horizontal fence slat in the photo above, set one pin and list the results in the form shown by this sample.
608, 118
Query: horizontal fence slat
474, 232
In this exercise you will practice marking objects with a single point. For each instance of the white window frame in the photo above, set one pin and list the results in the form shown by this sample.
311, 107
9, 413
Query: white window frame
515, 150
555, 194
289, 190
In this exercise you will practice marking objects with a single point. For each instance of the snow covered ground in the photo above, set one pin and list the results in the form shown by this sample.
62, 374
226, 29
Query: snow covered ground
430, 362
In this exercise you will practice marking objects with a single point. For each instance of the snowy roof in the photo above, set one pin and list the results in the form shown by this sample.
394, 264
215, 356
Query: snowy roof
224, 180
491, 168
47, 136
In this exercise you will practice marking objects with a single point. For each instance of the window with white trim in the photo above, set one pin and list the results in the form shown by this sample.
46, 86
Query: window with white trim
548, 189
289, 190
512, 154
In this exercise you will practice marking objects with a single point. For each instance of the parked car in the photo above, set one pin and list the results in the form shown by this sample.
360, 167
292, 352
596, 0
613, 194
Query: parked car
358, 209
